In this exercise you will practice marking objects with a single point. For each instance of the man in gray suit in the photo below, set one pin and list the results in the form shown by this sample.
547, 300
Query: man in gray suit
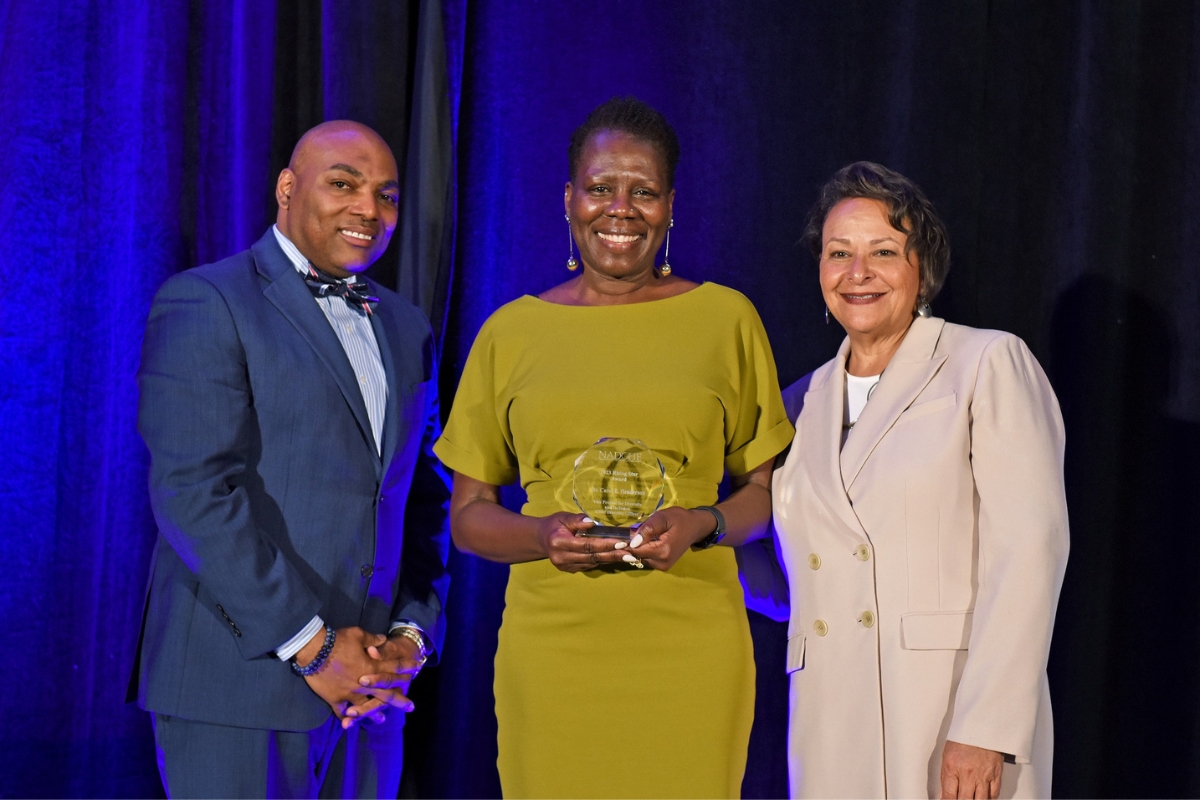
298, 580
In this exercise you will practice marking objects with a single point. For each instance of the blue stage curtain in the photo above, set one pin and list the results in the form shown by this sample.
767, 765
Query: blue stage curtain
139, 139
92, 104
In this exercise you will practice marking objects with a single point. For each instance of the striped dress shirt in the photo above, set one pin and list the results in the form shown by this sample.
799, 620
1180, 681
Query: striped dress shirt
354, 331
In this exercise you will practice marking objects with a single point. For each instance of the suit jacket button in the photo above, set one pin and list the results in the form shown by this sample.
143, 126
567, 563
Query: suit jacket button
367, 570
820, 627
814, 561
863, 552
867, 619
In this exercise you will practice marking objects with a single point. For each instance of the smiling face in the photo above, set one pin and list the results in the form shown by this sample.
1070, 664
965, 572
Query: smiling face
619, 204
339, 197
869, 284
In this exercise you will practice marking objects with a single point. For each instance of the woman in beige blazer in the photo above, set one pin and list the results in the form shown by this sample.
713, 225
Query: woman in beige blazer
922, 523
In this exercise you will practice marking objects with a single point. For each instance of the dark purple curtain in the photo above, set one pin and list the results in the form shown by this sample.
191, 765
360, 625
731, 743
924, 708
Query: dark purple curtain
1061, 142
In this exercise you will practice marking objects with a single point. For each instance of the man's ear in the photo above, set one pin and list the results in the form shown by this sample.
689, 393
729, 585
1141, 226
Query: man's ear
283, 188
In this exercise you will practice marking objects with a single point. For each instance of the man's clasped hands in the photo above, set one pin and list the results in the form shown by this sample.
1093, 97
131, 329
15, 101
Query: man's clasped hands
364, 674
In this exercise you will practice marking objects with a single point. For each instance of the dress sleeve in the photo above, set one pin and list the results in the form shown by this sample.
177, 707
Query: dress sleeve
756, 425
477, 440
1017, 465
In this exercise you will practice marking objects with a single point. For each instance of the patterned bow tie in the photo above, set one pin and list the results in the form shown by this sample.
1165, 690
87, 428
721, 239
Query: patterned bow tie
354, 291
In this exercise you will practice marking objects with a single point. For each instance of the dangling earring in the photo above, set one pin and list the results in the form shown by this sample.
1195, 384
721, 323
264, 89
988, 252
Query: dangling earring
923, 309
665, 269
572, 264
826, 315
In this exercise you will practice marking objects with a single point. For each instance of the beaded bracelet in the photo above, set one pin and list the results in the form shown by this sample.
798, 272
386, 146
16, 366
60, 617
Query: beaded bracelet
314, 666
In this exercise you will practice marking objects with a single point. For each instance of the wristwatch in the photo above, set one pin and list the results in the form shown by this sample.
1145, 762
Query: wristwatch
717, 535
416, 636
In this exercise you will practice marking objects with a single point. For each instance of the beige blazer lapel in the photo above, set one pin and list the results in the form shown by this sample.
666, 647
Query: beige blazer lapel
910, 370
822, 434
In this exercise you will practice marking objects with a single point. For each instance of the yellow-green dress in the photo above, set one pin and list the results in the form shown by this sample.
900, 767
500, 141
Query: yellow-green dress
630, 683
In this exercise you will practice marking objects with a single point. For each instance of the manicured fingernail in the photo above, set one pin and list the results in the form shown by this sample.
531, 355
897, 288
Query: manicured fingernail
636, 541
620, 546
364, 682
589, 519
629, 558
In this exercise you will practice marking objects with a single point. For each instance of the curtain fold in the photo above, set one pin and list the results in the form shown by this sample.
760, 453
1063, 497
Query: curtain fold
427, 218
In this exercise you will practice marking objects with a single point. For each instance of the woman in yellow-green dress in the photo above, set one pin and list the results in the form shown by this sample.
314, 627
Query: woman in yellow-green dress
614, 680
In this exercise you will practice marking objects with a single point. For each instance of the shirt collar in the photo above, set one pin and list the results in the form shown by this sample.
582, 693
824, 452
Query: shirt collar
294, 255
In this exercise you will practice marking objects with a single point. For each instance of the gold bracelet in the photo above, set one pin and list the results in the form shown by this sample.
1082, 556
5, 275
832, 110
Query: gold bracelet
415, 636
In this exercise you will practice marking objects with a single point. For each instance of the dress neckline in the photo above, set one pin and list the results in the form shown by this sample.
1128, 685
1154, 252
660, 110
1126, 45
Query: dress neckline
622, 305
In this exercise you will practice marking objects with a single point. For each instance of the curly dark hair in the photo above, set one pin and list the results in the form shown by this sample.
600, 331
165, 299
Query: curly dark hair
631, 116
909, 211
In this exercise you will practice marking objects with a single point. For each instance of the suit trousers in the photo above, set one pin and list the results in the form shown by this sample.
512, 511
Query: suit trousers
199, 759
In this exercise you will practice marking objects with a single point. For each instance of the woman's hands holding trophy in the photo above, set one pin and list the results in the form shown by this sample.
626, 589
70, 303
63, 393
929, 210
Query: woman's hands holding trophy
657, 543
662, 539
619, 485
566, 540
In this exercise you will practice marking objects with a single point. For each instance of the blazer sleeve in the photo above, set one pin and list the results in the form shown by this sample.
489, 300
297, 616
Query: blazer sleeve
1017, 444
761, 565
196, 415
424, 579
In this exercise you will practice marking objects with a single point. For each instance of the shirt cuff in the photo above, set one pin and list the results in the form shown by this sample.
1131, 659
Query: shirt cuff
297, 642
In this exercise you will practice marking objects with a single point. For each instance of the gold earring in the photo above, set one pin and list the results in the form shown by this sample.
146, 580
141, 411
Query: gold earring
572, 264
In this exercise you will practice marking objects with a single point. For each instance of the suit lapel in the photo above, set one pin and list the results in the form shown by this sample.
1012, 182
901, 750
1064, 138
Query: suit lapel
910, 370
822, 431
287, 292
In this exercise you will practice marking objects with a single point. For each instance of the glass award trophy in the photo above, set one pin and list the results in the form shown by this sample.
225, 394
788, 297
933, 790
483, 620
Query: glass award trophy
618, 483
